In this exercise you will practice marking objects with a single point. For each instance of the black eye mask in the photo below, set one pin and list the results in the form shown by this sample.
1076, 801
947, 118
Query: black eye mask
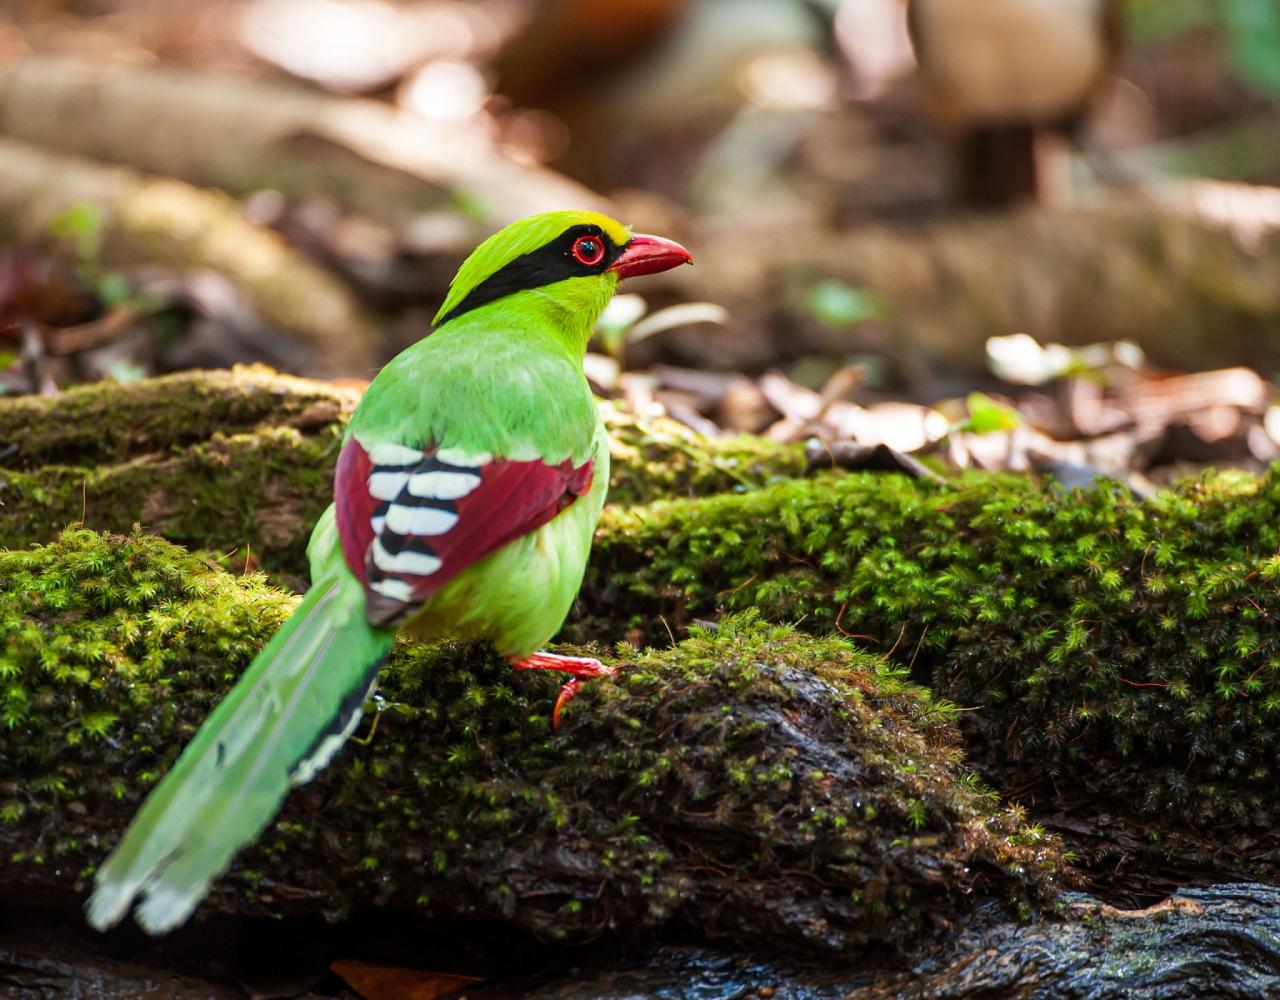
555, 261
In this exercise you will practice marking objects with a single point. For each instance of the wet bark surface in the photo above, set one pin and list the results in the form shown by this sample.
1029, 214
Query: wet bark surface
1221, 941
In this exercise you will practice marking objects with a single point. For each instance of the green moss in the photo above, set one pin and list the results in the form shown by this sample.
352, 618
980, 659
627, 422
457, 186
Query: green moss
1126, 648
238, 462
111, 422
1130, 646
249, 496
660, 457
752, 782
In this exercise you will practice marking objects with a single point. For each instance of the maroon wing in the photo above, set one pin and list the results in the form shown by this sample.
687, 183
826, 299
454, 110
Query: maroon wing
412, 519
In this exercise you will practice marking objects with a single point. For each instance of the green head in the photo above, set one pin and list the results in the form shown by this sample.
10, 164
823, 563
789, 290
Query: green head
564, 266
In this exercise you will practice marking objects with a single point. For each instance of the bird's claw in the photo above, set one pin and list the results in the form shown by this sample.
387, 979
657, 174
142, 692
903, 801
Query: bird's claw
581, 667
568, 691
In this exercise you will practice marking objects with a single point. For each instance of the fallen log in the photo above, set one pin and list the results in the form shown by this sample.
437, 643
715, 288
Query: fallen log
156, 220
1183, 269
1118, 656
242, 134
752, 784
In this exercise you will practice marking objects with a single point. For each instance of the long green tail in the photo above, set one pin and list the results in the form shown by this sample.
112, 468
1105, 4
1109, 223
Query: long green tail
289, 714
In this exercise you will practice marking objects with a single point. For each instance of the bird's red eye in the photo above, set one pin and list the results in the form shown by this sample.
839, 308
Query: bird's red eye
588, 250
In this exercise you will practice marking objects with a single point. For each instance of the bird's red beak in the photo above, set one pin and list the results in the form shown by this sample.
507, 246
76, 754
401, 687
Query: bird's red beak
649, 255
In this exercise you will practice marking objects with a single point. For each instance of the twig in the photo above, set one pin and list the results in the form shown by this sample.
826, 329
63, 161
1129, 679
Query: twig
893, 648
86, 336
919, 643
846, 634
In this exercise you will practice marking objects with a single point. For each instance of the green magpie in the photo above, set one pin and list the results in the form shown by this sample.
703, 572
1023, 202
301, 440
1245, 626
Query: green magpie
466, 494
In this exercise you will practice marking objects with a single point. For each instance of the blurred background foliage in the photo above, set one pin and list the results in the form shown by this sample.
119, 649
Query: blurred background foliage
1249, 30
189, 183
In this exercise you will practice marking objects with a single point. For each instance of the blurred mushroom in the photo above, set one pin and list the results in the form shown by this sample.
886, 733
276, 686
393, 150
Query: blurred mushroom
1002, 74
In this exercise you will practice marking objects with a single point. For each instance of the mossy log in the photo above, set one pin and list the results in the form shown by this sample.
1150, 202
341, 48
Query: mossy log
1120, 658
157, 220
1115, 652
237, 462
752, 783
242, 461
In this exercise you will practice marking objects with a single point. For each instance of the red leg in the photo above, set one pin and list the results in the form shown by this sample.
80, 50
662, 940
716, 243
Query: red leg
581, 667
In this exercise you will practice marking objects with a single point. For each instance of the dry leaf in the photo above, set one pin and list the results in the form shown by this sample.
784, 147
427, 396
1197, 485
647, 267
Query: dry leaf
390, 982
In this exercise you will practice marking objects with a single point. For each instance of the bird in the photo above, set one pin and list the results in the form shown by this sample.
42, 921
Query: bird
1000, 75
466, 493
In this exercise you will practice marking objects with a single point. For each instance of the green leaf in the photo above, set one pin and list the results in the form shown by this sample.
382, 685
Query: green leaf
1249, 32
838, 305
619, 316
114, 289
470, 203
1253, 39
986, 416
1149, 22
124, 371
82, 225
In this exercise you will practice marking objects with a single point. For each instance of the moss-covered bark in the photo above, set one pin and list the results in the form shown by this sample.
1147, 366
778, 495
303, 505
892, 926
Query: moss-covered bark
1107, 646
240, 462
1119, 657
109, 422
751, 783
243, 460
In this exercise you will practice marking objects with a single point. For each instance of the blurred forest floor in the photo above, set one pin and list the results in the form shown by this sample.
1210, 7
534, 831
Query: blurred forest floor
201, 183
196, 184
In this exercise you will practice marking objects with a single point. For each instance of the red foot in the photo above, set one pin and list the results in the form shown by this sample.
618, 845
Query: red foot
581, 667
